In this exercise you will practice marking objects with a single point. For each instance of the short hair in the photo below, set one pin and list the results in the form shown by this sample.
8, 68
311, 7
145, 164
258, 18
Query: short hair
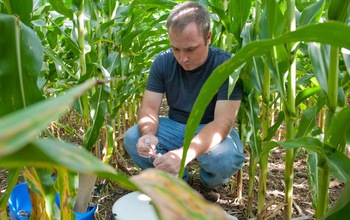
188, 12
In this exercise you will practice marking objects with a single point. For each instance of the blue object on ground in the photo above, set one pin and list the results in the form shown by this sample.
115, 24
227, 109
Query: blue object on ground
20, 206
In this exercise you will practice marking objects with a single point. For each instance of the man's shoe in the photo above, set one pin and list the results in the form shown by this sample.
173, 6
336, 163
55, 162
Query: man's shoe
209, 194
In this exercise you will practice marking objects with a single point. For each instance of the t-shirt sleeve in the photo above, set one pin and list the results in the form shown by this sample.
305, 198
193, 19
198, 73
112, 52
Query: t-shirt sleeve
235, 95
156, 79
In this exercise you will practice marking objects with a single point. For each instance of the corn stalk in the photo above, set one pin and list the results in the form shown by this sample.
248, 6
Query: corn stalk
290, 113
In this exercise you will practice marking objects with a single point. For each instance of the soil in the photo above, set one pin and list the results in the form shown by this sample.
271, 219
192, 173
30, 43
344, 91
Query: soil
107, 192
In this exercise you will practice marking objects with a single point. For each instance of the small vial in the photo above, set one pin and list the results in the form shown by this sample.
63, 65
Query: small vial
148, 142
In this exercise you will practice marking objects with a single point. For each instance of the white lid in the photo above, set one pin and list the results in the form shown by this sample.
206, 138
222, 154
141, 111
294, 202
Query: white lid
134, 206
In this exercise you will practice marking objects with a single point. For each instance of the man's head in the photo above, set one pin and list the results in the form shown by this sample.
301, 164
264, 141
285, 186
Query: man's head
189, 33
188, 12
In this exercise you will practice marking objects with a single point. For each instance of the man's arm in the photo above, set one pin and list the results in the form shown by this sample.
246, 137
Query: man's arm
148, 123
148, 115
210, 135
216, 131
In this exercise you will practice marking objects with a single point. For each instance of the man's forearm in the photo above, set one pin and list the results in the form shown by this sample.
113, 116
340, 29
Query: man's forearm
209, 136
148, 125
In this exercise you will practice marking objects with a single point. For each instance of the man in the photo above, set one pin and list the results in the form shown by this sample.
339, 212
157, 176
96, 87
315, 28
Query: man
179, 73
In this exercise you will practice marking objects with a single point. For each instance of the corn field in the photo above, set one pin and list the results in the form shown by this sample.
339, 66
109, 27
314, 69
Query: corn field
90, 59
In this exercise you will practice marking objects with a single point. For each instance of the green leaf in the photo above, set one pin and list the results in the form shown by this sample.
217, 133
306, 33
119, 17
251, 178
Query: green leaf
312, 161
12, 177
50, 154
239, 10
21, 127
339, 130
99, 117
58, 6
339, 10
58, 62
272, 21
273, 129
312, 13
251, 106
20, 65
307, 121
306, 93
338, 162
341, 209
319, 56
22, 8
308, 118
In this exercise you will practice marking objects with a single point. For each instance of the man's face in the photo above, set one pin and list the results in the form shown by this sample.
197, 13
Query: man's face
189, 47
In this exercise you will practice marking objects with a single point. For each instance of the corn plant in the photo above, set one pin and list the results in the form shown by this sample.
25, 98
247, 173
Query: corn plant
308, 32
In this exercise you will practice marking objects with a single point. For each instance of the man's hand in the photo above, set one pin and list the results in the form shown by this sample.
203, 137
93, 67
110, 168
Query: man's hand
146, 146
169, 162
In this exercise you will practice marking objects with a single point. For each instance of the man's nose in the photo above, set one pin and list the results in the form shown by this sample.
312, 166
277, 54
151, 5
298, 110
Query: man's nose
183, 57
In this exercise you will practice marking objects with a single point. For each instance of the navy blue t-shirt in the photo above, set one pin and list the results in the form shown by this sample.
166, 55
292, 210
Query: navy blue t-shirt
182, 87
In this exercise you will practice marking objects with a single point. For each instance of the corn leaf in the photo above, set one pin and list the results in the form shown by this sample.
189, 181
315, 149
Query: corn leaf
339, 10
12, 177
341, 209
55, 154
312, 13
21, 127
99, 109
339, 130
23, 9
20, 64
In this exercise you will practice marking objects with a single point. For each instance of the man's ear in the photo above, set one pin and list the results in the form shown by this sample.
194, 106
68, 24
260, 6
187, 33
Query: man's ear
208, 39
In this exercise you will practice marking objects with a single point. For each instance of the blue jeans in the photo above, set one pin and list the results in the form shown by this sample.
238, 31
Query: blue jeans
217, 165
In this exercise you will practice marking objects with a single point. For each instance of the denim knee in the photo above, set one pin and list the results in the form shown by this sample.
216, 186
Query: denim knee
222, 161
130, 139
